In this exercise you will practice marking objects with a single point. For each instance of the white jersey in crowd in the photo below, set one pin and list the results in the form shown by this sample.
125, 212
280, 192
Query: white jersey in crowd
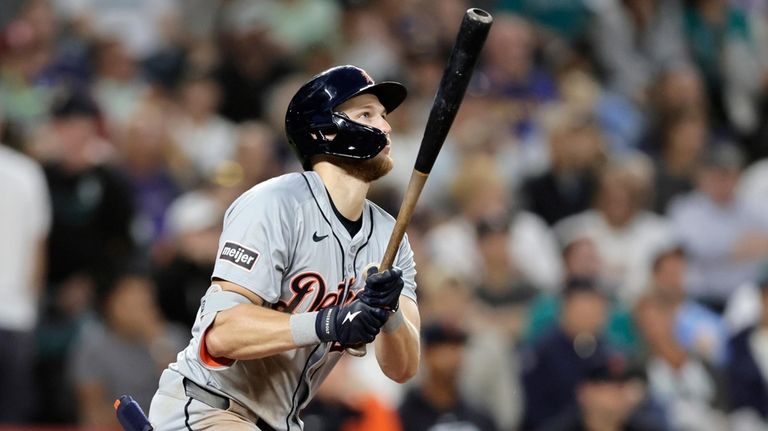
283, 241
25, 219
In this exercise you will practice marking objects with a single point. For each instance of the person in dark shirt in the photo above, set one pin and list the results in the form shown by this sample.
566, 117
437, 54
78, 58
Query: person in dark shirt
609, 398
436, 403
568, 187
92, 212
91, 201
555, 365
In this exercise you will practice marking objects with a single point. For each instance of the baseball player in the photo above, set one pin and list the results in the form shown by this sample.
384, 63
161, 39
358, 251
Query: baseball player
288, 291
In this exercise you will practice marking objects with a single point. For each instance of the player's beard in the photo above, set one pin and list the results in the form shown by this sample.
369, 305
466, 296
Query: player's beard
365, 170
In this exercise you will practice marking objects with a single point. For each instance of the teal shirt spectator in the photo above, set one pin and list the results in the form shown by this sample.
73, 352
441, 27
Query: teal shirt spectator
620, 332
568, 18
706, 40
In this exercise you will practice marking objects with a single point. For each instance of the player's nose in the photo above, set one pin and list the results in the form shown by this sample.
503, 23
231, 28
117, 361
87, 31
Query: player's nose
384, 126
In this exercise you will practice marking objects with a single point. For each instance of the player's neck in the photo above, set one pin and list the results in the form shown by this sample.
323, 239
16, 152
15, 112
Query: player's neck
347, 192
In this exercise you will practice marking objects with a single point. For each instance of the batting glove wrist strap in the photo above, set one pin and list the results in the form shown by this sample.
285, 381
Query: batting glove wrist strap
303, 328
325, 324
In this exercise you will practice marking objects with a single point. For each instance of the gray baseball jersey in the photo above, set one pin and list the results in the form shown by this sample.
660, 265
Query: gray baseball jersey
282, 241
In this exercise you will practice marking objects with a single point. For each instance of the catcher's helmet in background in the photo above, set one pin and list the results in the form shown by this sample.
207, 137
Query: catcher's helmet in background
311, 117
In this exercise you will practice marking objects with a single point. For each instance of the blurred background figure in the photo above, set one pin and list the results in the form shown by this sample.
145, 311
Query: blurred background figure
671, 321
554, 364
124, 350
575, 152
610, 397
683, 139
203, 138
686, 345
92, 214
748, 370
194, 221
24, 224
344, 403
635, 40
482, 197
436, 403
736, 232
624, 232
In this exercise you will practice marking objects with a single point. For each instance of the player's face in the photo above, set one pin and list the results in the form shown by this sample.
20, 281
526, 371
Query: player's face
366, 109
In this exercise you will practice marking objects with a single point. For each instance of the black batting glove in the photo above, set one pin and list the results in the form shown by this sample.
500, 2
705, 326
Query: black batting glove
351, 324
382, 289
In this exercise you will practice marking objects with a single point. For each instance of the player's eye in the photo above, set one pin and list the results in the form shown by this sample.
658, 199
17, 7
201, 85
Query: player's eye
364, 114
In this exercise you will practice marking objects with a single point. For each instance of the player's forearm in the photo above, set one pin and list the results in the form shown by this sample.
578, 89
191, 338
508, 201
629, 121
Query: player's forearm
249, 332
398, 351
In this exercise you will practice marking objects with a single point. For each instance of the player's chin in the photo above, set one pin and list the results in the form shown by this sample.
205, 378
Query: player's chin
372, 169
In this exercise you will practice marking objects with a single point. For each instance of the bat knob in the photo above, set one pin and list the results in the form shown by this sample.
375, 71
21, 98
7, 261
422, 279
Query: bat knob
358, 351
477, 14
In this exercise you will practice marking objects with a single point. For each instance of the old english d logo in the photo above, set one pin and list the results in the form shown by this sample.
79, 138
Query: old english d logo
239, 255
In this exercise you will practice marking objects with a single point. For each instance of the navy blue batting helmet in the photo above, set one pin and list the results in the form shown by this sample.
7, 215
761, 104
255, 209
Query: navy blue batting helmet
311, 117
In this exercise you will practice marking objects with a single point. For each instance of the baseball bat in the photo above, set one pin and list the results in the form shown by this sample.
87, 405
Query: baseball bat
469, 42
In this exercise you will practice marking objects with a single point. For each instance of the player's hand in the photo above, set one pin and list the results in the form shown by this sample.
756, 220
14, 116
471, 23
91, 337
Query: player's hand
351, 324
383, 289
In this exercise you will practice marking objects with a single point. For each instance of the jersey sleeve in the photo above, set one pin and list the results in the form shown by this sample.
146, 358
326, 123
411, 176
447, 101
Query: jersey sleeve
255, 244
404, 261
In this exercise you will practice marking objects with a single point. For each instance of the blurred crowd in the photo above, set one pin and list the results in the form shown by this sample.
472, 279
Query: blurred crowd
591, 244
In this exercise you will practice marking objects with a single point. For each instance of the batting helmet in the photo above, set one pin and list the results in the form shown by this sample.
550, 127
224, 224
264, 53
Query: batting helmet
311, 117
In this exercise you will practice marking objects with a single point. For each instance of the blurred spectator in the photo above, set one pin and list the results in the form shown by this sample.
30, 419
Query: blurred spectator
582, 261
481, 197
684, 136
620, 122
634, 40
498, 316
92, 211
92, 207
436, 402
555, 364
124, 351
733, 60
204, 138
194, 222
680, 326
245, 73
724, 236
748, 369
679, 341
25, 51
500, 276
624, 232
256, 153
753, 185
24, 223
343, 403
145, 26
147, 162
509, 72
609, 398
366, 41
117, 86
575, 152
675, 91
567, 18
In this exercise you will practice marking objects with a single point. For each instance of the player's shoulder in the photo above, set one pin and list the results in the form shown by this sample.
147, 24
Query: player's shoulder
276, 195
380, 215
